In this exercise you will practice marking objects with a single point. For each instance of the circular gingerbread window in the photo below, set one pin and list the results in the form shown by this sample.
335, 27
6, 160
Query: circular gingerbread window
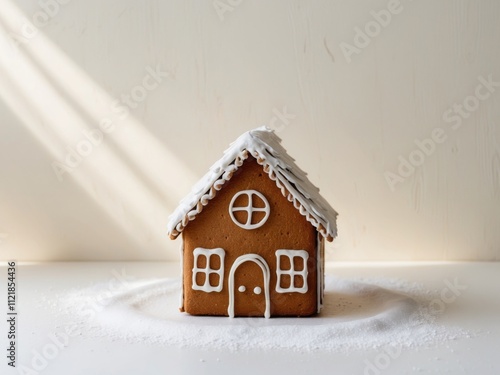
249, 209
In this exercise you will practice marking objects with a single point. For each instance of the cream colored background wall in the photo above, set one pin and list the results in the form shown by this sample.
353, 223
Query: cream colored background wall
347, 106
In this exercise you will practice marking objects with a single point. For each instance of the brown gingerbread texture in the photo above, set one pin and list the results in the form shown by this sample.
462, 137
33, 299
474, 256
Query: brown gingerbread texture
263, 261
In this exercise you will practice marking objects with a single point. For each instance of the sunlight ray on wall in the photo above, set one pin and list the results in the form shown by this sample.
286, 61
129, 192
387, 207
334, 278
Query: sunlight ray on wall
143, 149
60, 127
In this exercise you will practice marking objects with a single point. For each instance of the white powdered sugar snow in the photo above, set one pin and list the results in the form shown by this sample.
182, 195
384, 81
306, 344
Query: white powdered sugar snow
357, 315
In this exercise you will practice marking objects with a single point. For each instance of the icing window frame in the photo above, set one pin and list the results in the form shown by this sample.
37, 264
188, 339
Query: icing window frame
207, 271
249, 209
292, 273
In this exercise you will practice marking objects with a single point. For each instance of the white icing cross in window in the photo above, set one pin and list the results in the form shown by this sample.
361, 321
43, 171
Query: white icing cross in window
290, 254
250, 209
207, 253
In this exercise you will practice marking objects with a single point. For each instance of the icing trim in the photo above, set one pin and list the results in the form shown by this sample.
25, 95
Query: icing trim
181, 297
207, 253
261, 262
265, 147
290, 254
249, 209
320, 273
177, 225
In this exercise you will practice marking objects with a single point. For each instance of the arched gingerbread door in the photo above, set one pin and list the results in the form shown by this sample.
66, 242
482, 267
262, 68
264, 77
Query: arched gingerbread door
249, 287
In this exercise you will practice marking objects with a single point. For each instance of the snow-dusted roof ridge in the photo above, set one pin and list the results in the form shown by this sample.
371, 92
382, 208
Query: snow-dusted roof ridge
263, 144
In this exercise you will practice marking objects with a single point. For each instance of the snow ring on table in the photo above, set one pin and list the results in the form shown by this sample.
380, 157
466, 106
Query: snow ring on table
357, 315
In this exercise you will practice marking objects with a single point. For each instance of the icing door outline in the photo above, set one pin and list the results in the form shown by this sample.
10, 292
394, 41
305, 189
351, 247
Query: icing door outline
261, 262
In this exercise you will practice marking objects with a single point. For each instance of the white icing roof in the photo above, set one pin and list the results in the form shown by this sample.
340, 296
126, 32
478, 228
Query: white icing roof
263, 144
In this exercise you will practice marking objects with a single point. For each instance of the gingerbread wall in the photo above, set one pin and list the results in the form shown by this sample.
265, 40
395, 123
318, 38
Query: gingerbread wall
284, 229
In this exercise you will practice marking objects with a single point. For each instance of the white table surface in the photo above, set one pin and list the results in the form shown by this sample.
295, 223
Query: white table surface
477, 309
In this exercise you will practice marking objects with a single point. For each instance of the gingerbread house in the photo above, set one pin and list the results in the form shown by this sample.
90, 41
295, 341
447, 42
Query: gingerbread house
253, 232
